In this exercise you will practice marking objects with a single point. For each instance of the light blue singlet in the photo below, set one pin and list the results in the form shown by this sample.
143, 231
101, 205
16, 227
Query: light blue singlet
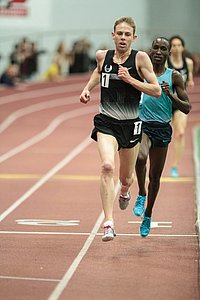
153, 109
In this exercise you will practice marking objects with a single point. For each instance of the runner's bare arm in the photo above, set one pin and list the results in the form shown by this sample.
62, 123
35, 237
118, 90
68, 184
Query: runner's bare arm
94, 78
180, 98
145, 70
190, 65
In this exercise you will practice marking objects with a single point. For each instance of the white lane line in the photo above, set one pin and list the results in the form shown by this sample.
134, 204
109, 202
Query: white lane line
29, 278
196, 132
41, 92
48, 130
158, 235
69, 273
67, 276
43, 233
35, 108
47, 176
88, 233
154, 224
42, 222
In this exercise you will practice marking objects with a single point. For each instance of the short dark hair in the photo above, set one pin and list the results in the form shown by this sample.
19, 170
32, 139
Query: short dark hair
161, 38
127, 20
176, 37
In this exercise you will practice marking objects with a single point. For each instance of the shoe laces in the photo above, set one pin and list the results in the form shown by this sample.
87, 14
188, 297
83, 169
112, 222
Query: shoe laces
140, 201
108, 229
146, 222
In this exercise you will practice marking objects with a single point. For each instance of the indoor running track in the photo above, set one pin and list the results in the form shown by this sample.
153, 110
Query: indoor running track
51, 215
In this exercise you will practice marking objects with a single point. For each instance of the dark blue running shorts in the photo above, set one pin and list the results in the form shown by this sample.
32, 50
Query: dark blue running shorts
160, 134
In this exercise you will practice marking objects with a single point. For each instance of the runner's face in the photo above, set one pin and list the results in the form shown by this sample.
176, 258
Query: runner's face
123, 37
159, 51
176, 47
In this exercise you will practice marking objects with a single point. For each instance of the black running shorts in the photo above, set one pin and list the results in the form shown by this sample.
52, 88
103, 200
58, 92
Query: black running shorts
160, 134
127, 132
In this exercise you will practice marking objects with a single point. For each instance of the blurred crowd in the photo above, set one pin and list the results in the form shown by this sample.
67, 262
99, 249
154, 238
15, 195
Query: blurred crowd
23, 62
70, 61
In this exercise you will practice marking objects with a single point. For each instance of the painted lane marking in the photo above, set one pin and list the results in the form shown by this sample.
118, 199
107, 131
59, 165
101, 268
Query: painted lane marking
35, 108
15, 176
32, 109
56, 177
29, 278
48, 130
160, 224
43, 233
4, 232
40, 92
39, 222
71, 270
196, 156
76, 151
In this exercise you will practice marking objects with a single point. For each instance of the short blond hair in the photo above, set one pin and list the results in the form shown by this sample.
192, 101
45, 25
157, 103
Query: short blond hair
127, 20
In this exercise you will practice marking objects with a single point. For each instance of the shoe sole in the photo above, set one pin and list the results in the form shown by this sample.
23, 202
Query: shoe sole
123, 207
107, 238
123, 204
144, 236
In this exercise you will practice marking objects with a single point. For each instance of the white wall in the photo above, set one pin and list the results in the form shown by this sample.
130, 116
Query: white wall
38, 18
173, 17
96, 18
50, 21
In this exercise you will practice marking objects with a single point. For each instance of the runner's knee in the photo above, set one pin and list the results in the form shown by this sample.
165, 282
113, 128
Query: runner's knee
107, 168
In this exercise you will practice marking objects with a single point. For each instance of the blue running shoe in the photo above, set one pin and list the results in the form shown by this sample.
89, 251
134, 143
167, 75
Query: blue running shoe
174, 172
139, 209
145, 226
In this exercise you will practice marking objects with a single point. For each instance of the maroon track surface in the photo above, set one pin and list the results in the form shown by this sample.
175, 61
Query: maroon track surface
51, 215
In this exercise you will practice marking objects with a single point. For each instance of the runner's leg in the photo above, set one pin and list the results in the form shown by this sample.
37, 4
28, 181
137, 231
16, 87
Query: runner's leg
107, 146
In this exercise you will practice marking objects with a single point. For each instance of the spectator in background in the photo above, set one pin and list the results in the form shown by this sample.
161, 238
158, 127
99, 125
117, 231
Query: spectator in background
79, 59
32, 59
10, 76
61, 58
59, 66
15, 55
25, 55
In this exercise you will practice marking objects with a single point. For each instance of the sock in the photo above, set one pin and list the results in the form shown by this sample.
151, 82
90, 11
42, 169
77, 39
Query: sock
125, 196
108, 223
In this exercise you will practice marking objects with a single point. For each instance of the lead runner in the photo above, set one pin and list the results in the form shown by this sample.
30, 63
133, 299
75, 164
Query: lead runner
121, 73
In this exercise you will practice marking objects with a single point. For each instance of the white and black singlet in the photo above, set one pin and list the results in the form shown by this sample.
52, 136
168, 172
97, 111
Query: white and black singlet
119, 99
